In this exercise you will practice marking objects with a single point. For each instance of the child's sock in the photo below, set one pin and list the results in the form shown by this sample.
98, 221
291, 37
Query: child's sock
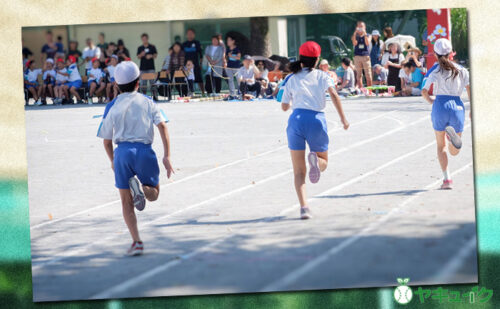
446, 175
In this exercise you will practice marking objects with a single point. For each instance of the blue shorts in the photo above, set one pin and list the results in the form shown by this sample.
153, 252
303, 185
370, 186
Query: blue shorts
31, 86
49, 82
77, 84
309, 126
132, 159
448, 111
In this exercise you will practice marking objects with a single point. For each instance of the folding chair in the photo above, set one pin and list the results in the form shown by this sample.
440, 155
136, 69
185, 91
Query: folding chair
163, 82
179, 85
83, 91
146, 77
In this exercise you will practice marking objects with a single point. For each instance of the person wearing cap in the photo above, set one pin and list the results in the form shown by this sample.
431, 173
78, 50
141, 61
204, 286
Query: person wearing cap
392, 62
90, 52
361, 42
74, 79
31, 81
448, 110
247, 76
96, 83
49, 79
60, 90
325, 67
304, 92
111, 87
376, 48
129, 122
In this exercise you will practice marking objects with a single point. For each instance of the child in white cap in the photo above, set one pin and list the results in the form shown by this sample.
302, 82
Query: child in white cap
448, 110
129, 121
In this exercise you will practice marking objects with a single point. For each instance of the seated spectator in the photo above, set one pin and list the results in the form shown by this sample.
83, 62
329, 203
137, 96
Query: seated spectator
348, 85
95, 82
177, 63
74, 79
417, 77
31, 80
275, 77
325, 67
60, 90
111, 87
49, 79
414, 54
263, 78
121, 51
247, 76
408, 87
381, 74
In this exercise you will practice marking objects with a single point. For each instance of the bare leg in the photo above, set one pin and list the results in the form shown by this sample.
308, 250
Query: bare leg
129, 213
322, 160
51, 90
299, 173
451, 149
33, 92
441, 149
108, 91
200, 84
92, 89
75, 93
151, 193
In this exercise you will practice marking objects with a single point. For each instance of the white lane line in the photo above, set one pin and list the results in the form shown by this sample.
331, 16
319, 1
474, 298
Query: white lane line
92, 209
295, 275
445, 275
111, 292
68, 253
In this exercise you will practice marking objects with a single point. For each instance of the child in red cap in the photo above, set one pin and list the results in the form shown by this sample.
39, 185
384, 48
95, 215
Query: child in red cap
96, 82
305, 93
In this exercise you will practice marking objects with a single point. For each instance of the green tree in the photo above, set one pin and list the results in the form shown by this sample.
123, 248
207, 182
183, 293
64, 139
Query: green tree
459, 35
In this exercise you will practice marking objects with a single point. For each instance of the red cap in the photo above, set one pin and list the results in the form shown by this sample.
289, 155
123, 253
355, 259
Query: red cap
72, 59
310, 49
94, 59
60, 60
28, 63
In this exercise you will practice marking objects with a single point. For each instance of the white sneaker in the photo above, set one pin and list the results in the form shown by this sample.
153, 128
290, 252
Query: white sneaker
89, 101
137, 193
38, 102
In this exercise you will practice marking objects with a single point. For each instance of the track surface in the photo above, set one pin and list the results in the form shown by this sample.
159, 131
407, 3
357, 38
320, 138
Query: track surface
228, 222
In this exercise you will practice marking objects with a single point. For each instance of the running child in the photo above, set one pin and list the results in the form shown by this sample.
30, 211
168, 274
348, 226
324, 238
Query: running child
60, 90
49, 80
96, 80
111, 87
31, 80
129, 121
305, 90
448, 110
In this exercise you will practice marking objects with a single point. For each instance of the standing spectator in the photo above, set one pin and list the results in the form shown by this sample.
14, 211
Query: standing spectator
107, 53
177, 60
27, 53
90, 52
221, 43
215, 57
387, 33
233, 57
193, 52
376, 47
73, 50
121, 51
361, 41
381, 74
147, 54
392, 61
102, 43
50, 48
60, 47
247, 76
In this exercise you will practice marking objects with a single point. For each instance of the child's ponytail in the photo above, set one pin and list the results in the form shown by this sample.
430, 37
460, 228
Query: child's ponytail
446, 64
303, 63
296, 66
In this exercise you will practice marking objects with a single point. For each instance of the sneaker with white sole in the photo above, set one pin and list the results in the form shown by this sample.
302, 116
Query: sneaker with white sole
38, 102
305, 213
137, 248
314, 171
453, 137
137, 193
89, 101
447, 184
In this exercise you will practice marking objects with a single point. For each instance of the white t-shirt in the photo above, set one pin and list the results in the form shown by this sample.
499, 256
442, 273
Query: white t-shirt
190, 75
74, 75
32, 76
388, 57
90, 52
448, 86
97, 73
264, 74
130, 117
111, 71
61, 79
49, 74
406, 77
306, 90
245, 74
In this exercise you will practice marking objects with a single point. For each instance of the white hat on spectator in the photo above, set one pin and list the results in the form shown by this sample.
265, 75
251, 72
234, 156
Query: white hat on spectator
126, 72
50, 60
324, 61
375, 32
443, 47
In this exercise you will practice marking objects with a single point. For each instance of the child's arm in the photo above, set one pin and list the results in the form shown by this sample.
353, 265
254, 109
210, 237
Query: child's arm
338, 106
165, 138
108, 146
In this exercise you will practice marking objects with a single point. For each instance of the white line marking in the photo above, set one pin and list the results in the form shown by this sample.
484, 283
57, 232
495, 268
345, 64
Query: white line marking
451, 268
87, 210
65, 254
122, 287
292, 277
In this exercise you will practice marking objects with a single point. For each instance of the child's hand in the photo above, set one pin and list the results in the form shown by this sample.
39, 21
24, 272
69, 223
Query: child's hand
168, 166
345, 123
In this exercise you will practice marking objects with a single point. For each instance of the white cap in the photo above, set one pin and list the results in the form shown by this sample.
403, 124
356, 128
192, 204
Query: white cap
375, 32
443, 47
324, 61
126, 72
50, 60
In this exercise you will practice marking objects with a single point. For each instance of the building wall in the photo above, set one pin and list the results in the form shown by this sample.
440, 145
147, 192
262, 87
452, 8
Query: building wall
34, 39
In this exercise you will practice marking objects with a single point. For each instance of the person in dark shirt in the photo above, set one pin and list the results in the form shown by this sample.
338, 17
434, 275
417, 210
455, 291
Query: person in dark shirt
122, 51
49, 49
192, 51
147, 54
233, 60
27, 53
361, 42
73, 50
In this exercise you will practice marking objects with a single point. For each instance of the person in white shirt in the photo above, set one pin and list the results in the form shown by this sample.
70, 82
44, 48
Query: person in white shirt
189, 72
111, 87
95, 81
305, 93
74, 79
31, 81
129, 122
247, 75
448, 110
89, 52
408, 87
60, 89
49, 79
